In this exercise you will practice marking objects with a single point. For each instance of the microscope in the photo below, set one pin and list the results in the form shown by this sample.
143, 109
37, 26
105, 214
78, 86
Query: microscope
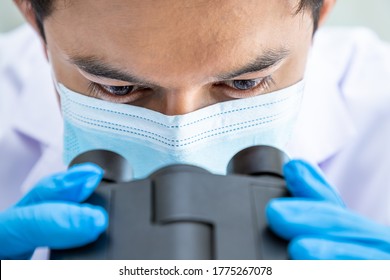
183, 212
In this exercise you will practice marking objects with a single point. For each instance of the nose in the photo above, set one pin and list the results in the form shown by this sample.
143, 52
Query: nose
182, 102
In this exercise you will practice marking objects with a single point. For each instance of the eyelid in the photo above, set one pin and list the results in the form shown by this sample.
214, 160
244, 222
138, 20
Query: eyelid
258, 81
259, 74
97, 91
230, 82
262, 84
255, 79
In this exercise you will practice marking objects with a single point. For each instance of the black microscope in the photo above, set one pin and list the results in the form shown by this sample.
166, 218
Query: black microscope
183, 212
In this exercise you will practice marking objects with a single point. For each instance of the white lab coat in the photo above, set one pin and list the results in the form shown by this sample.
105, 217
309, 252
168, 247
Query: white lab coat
30, 120
344, 125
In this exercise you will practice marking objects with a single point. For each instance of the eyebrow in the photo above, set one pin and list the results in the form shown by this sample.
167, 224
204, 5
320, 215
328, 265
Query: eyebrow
269, 58
97, 67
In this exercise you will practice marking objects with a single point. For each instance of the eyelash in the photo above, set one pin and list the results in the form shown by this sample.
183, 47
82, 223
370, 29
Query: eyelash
98, 91
264, 84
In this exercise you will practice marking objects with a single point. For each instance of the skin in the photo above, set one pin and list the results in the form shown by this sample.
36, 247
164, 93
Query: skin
181, 50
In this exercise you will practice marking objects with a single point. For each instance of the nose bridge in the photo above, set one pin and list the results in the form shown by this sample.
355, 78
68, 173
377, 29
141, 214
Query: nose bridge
186, 100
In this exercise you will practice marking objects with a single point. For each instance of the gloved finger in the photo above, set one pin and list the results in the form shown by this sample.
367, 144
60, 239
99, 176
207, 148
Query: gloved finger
292, 217
310, 248
54, 225
74, 185
303, 180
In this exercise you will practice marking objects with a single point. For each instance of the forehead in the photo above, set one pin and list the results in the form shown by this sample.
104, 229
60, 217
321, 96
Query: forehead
160, 33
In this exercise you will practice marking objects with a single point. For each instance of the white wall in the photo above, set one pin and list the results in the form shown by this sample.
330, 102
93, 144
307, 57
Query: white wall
372, 13
9, 15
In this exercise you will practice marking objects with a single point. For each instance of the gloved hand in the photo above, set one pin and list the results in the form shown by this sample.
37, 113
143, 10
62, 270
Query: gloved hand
50, 214
318, 224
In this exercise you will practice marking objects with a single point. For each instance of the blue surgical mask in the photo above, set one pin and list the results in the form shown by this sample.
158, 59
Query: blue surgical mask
149, 140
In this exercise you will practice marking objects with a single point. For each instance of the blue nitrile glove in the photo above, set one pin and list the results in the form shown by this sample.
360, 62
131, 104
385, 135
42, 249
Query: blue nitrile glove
50, 214
318, 224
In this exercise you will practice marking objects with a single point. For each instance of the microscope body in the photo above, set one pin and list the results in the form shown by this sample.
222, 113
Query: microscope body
185, 212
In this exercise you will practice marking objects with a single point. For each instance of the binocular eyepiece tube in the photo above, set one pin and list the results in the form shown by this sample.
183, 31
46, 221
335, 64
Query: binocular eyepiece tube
186, 212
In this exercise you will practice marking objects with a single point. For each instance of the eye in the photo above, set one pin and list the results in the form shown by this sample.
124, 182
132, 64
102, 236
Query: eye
117, 94
249, 85
245, 84
247, 88
118, 90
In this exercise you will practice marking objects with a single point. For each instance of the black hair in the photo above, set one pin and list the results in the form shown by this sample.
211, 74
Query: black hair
43, 8
315, 9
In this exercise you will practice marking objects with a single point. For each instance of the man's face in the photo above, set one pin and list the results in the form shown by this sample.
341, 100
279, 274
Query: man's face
176, 56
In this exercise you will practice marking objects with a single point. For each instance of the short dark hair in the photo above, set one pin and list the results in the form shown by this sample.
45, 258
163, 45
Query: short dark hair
43, 8
314, 6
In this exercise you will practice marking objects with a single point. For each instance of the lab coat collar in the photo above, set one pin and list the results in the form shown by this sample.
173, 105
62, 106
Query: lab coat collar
324, 125
38, 116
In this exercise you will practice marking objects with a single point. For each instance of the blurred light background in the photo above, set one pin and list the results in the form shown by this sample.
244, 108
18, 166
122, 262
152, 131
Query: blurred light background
371, 13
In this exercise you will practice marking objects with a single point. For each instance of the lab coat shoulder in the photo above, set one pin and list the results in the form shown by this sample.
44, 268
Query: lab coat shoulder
365, 79
345, 120
30, 121
19, 47
366, 161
